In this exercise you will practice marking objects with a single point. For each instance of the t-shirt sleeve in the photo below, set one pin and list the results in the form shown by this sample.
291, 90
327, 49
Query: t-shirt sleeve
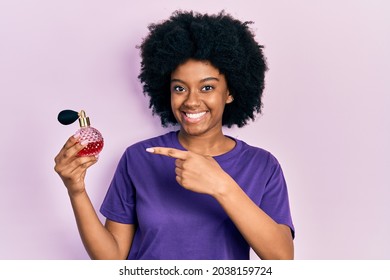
119, 203
275, 200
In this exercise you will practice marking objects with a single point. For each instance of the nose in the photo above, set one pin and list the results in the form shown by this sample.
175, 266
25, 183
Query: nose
193, 99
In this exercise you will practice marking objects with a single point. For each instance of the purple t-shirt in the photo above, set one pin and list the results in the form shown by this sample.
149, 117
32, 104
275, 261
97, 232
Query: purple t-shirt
175, 223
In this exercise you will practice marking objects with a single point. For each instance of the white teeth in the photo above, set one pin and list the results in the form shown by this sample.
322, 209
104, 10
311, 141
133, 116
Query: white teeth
195, 116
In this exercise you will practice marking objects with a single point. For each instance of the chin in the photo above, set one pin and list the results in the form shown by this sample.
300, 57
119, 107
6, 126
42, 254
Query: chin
193, 131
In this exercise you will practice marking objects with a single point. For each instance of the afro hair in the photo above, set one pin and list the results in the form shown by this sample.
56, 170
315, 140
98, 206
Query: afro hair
227, 43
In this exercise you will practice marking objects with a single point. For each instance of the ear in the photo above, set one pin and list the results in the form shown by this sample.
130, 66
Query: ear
229, 98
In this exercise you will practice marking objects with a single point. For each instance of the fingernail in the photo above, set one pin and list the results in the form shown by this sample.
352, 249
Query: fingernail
150, 150
84, 142
97, 157
76, 135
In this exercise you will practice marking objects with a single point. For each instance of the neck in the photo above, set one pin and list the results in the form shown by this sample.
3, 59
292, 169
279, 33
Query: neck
211, 144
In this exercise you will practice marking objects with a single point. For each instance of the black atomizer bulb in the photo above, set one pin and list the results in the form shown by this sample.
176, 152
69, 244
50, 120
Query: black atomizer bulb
86, 131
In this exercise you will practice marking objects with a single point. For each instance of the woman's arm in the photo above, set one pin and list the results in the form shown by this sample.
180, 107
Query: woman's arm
267, 238
112, 241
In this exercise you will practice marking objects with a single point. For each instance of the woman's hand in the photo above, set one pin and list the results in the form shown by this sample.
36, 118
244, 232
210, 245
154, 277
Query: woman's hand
195, 172
72, 168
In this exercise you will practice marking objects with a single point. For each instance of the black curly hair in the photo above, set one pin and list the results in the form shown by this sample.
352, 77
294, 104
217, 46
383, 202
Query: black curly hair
227, 43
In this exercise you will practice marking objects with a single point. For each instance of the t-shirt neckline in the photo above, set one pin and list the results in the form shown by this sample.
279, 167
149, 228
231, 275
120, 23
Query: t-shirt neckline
228, 155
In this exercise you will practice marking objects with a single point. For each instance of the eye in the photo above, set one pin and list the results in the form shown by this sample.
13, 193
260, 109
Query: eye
178, 88
207, 88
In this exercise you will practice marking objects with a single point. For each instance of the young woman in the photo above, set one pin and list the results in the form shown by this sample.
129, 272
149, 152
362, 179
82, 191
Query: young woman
194, 193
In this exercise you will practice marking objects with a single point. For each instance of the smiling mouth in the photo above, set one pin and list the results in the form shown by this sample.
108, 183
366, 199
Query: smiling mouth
194, 117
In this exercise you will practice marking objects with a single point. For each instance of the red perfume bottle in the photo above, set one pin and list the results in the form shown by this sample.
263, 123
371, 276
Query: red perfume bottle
86, 132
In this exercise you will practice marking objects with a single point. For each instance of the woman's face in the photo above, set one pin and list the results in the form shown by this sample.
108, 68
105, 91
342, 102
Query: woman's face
199, 94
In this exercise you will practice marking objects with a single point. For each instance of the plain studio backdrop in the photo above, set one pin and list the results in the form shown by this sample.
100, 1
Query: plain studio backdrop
325, 114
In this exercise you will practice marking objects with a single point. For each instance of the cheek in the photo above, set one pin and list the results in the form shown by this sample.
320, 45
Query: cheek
218, 103
175, 103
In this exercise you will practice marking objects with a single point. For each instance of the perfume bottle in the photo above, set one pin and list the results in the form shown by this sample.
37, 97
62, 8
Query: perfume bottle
92, 135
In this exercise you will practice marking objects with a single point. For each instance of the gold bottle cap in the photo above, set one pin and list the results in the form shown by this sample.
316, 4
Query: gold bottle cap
83, 119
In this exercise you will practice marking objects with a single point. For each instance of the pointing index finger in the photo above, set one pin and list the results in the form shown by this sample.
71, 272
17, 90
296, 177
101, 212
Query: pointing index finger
169, 152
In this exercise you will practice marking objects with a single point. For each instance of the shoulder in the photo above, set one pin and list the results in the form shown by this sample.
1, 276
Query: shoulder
256, 151
256, 155
135, 155
136, 152
164, 140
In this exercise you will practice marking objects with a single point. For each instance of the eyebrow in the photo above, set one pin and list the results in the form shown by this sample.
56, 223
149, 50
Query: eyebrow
202, 81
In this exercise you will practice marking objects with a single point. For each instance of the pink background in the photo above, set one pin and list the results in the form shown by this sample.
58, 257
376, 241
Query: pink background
325, 116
